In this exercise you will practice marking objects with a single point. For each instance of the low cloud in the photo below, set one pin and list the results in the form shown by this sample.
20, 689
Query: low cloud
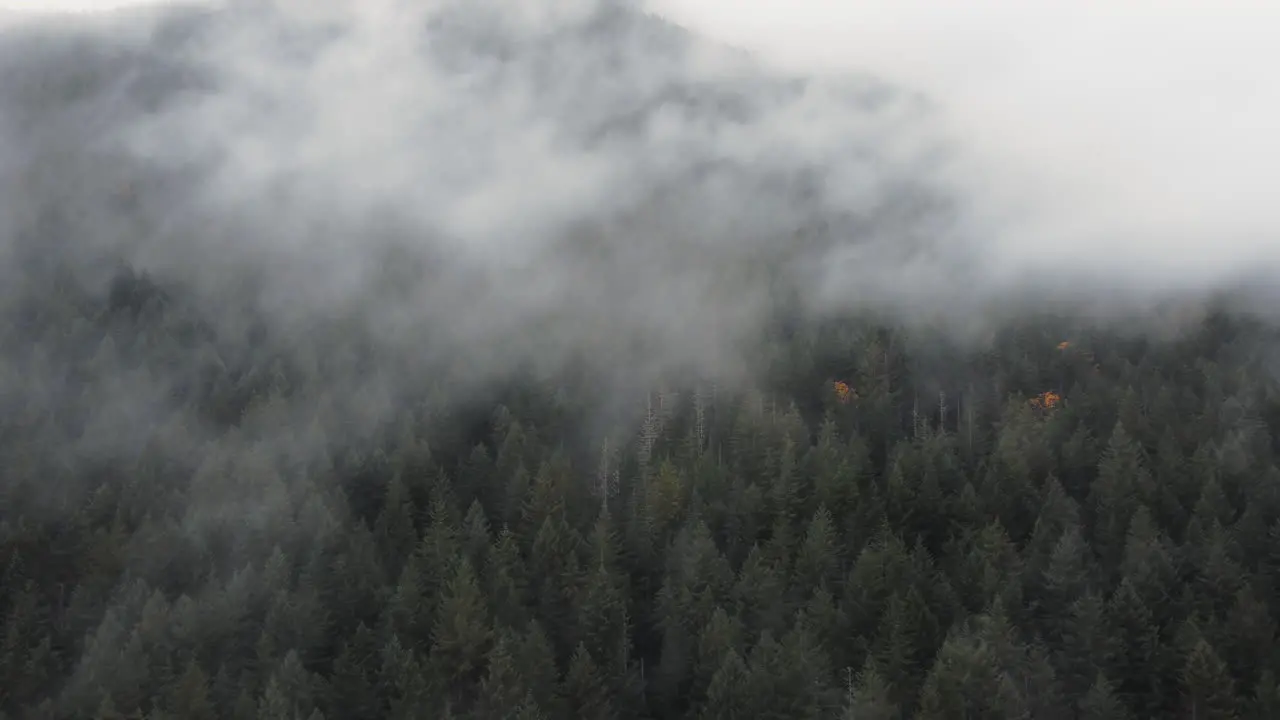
1115, 146
490, 185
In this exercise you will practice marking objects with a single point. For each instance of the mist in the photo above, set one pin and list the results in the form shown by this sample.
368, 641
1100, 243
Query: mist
1110, 142
481, 187
247, 245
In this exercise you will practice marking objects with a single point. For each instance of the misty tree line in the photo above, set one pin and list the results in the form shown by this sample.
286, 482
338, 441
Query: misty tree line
931, 546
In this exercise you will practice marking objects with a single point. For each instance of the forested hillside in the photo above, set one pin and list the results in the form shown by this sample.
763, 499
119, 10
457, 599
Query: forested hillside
876, 533
503, 360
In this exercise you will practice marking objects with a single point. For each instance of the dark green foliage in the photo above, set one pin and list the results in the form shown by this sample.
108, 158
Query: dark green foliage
751, 552
1208, 690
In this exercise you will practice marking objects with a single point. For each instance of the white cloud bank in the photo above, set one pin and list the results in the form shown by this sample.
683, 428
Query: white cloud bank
1136, 142
581, 181
74, 6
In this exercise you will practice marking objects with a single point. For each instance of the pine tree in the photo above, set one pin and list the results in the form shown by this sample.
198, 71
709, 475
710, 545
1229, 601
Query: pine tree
190, 697
1148, 564
475, 537
409, 688
897, 644
290, 690
1114, 496
1249, 635
600, 621
760, 595
1265, 702
462, 633
585, 692
829, 625
992, 569
477, 476
1063, 581
536, 664
1086, 643
807, 673
1039, 686
409, 611
554, 575
879, 568
505, 581
963, 682
837, 473
818, 562
502, 692
1101, 702
107, 709
869, 698
1208, 691
353, 680
1218, 576
730, 695
1136, 643
355, 582
394, 528
721, 635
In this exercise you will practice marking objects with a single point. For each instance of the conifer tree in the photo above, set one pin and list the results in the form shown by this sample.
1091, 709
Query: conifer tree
1208, 691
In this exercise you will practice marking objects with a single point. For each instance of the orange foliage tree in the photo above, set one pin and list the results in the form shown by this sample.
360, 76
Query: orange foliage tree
1046, 400
844, 393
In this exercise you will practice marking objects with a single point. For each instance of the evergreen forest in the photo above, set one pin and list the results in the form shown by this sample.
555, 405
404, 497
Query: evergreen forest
1071, 523
444, 361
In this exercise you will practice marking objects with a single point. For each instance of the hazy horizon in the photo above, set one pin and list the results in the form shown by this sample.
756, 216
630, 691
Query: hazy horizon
284, 281
580, 180
1074, 133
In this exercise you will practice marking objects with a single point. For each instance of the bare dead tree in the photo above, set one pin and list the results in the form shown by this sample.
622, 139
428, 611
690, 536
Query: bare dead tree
649, 432
608, 476
969, 420
915, 416
700, 418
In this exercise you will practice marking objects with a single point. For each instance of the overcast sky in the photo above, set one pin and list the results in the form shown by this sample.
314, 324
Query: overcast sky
1096, 149
1143, 130
71, 5
1140, 128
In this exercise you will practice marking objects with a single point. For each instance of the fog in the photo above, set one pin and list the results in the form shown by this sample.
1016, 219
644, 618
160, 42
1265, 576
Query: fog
1119, 140
492, 183
387, 206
